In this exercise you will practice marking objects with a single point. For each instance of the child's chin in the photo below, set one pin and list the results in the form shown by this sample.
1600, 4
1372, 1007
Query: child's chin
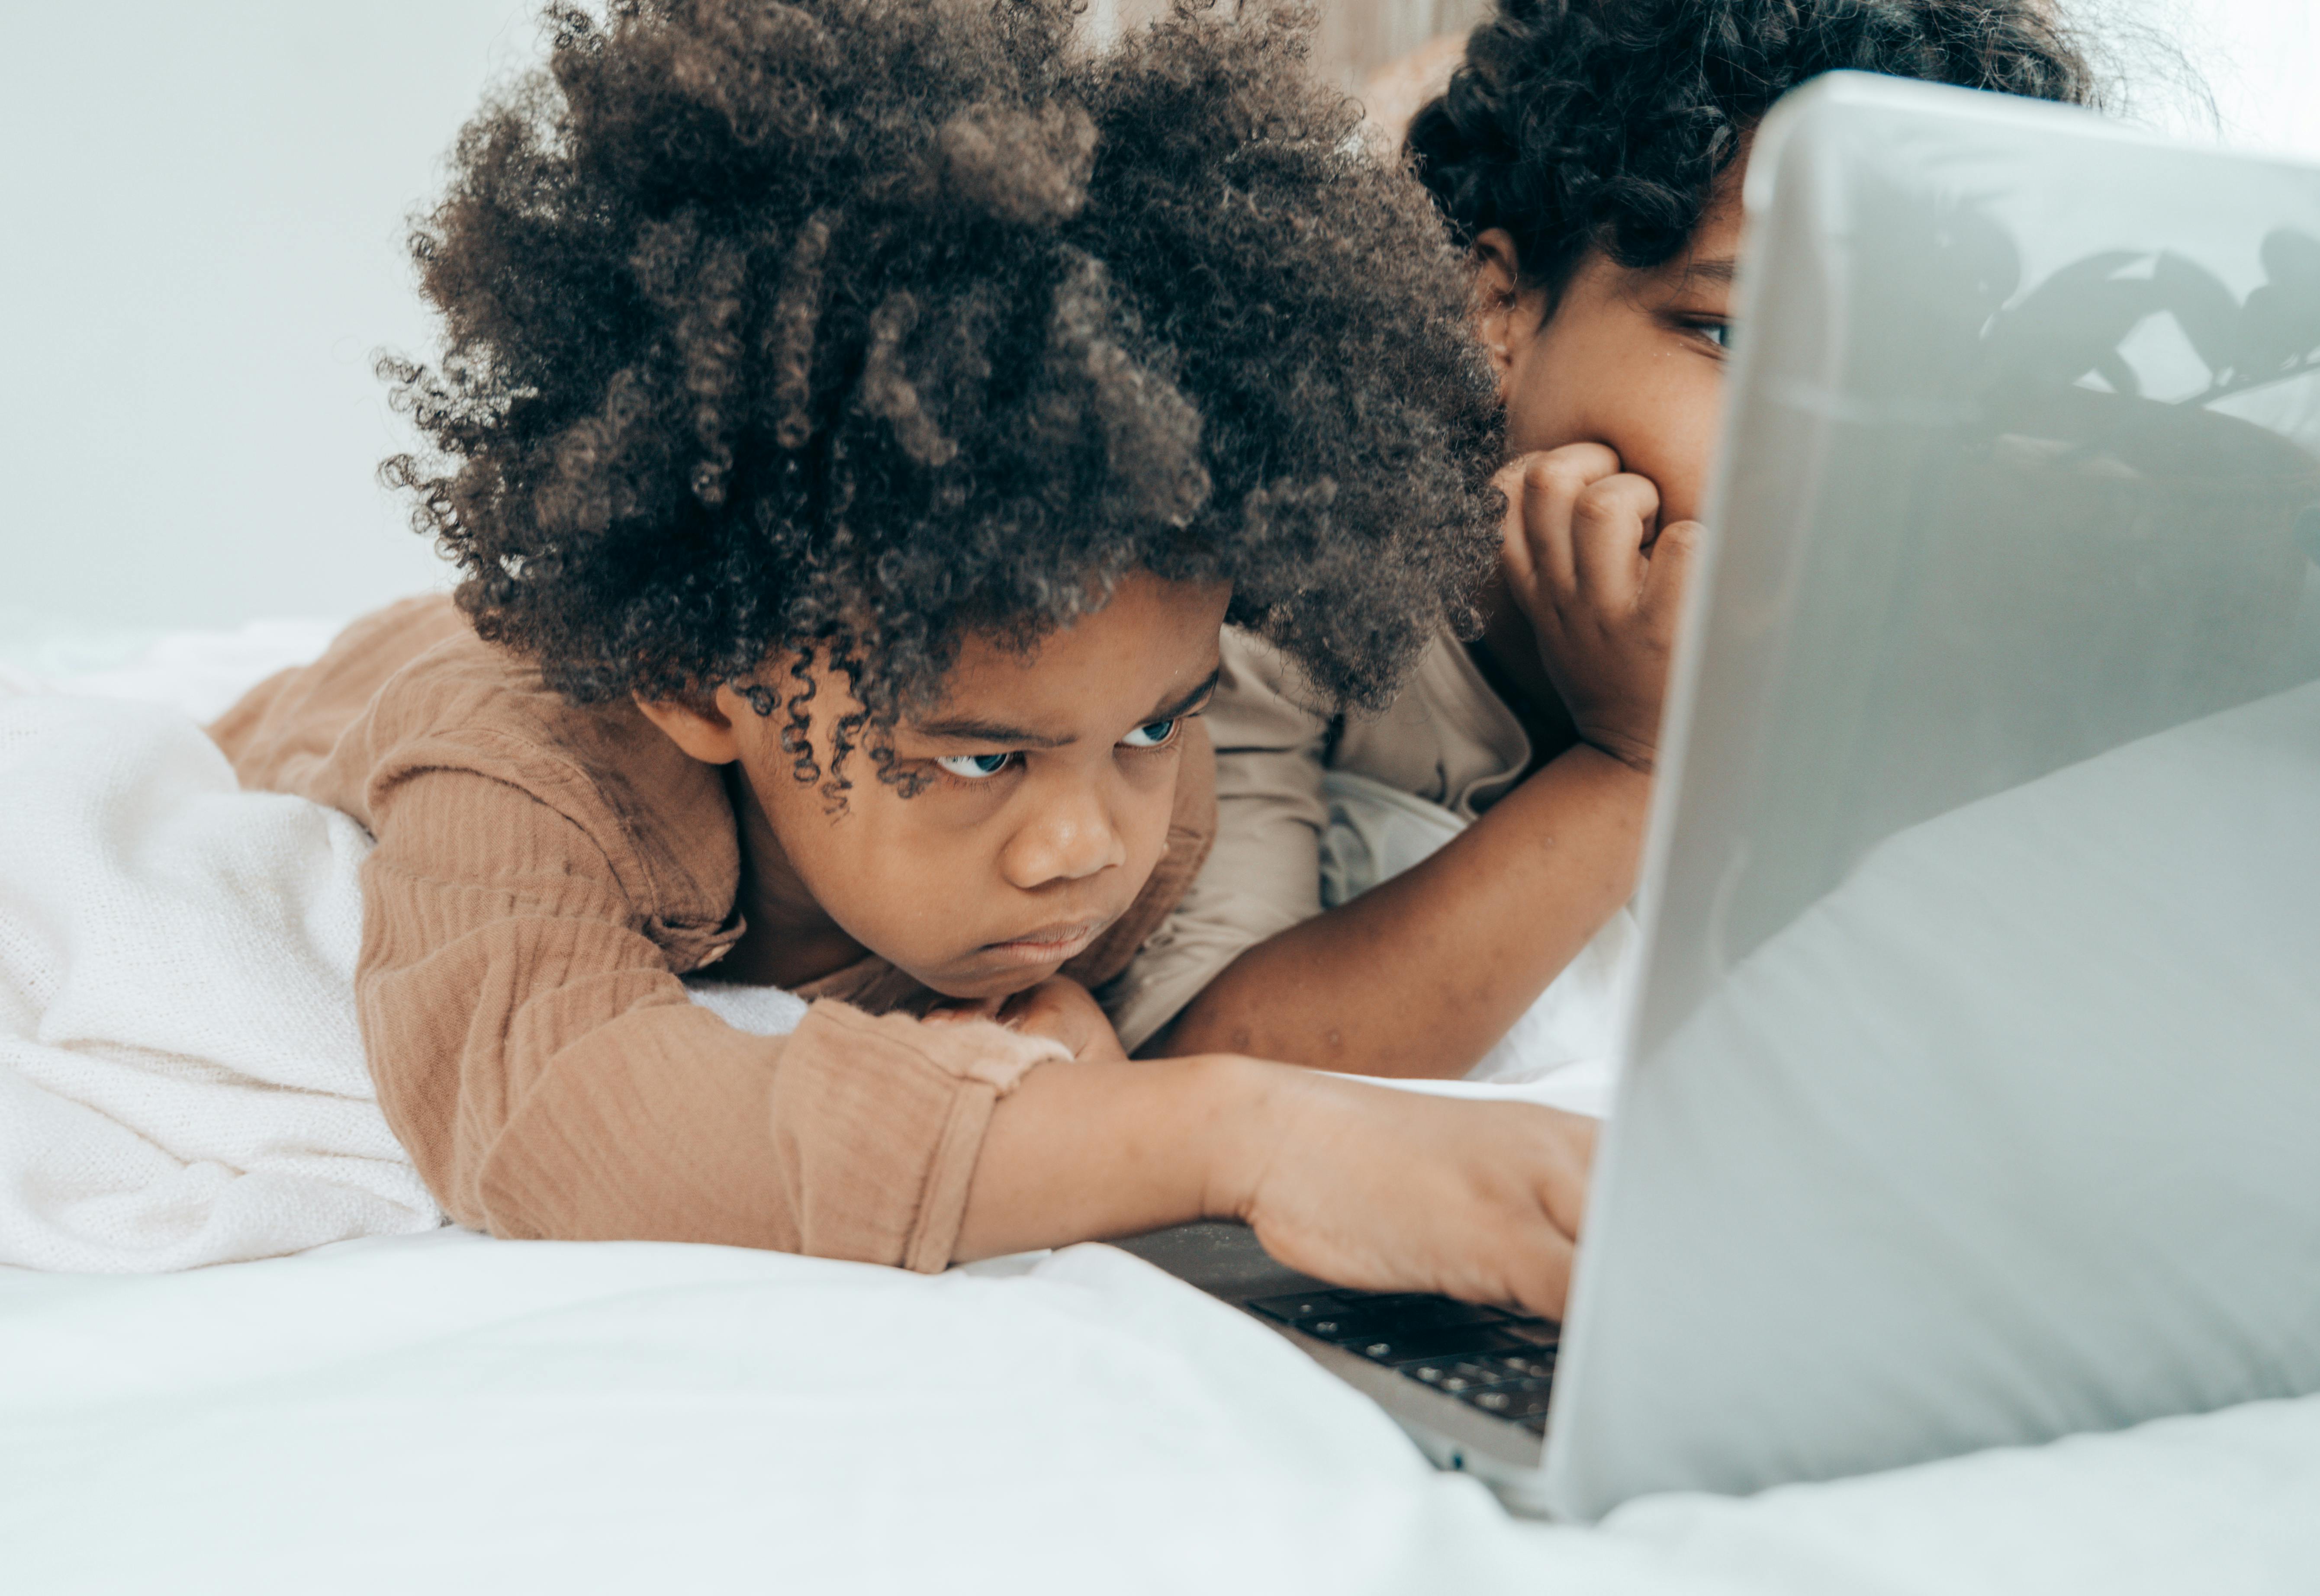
978, 986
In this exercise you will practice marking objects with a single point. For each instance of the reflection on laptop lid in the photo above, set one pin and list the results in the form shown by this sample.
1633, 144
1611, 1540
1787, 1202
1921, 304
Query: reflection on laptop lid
1972, 1090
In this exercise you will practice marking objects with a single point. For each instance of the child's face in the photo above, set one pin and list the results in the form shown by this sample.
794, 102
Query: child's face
1631, 359
1045, 787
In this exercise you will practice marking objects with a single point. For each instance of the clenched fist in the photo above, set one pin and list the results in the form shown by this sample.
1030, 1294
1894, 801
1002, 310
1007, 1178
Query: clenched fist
1601, 582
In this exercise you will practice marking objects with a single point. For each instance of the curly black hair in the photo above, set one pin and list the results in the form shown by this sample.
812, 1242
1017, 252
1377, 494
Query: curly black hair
1607, 124
844, 328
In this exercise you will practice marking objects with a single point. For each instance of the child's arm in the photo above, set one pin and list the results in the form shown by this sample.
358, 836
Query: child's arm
1344, 1181
552, 1079
1355, 1183
1422, 974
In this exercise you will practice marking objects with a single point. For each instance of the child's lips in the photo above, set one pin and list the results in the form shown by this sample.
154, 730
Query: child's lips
1048, 944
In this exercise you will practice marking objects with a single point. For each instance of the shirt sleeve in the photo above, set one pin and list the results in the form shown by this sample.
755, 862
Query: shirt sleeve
552, 1079
1262, 874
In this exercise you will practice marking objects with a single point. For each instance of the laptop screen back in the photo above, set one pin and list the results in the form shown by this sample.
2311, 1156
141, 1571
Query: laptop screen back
1973, 1089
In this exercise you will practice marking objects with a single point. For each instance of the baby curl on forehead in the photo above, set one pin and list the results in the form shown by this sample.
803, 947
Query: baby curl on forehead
836, 332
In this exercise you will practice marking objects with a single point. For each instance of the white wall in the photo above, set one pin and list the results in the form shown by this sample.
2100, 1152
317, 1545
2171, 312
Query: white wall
201, 225
2262, 60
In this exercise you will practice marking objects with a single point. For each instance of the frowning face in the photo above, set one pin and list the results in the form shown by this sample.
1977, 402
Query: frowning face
1035, 802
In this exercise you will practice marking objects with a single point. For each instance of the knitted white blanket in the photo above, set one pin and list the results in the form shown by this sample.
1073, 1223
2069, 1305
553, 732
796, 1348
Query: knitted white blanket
181, 1079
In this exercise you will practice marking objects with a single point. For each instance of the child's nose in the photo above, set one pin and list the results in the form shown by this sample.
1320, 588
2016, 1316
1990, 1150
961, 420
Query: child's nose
1071, 835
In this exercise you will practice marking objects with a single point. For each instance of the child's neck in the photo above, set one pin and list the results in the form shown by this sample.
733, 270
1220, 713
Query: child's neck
1507, 654
791, 939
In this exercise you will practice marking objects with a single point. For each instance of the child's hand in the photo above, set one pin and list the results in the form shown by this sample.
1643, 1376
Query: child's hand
1061, 1008
1602, 583
1397, 1190
1350, 1182
1058, 1007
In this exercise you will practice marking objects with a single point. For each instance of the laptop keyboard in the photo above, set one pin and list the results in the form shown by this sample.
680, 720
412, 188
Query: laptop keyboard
1499, 1363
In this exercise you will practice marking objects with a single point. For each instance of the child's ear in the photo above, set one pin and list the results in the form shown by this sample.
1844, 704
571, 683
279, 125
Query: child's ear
1500, 312
698, 725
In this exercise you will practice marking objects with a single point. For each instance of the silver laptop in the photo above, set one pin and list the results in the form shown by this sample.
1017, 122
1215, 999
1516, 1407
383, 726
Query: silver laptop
1971, 1092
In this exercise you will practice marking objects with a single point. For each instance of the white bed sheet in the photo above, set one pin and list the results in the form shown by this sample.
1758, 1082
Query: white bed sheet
450, 1413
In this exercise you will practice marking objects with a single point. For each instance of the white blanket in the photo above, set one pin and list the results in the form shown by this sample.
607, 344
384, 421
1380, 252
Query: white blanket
445, 1413
181, 1080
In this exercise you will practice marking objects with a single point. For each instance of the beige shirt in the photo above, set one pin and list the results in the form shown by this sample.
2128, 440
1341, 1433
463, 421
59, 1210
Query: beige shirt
544, 875
1449, 739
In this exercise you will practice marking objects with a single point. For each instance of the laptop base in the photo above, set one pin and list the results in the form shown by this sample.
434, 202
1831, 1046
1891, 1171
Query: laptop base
1468, 1385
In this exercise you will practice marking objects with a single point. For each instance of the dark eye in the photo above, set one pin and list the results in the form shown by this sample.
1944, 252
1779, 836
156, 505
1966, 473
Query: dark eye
976, 767
1718, 333
1152, 734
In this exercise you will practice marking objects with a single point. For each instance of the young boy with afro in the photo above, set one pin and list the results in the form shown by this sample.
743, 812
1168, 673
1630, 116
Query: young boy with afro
1587, 155
855, 421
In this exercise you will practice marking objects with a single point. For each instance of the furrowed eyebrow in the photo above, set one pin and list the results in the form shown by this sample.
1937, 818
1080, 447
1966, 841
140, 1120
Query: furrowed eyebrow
967, 729
1183, 706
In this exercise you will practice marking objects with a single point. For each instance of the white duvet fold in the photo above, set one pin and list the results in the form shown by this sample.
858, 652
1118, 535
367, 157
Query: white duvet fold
181, 1078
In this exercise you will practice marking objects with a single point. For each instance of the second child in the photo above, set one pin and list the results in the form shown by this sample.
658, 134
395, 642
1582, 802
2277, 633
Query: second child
1588, 156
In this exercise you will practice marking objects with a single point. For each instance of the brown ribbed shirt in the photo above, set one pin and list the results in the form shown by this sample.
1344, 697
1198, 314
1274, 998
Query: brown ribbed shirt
544, 874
